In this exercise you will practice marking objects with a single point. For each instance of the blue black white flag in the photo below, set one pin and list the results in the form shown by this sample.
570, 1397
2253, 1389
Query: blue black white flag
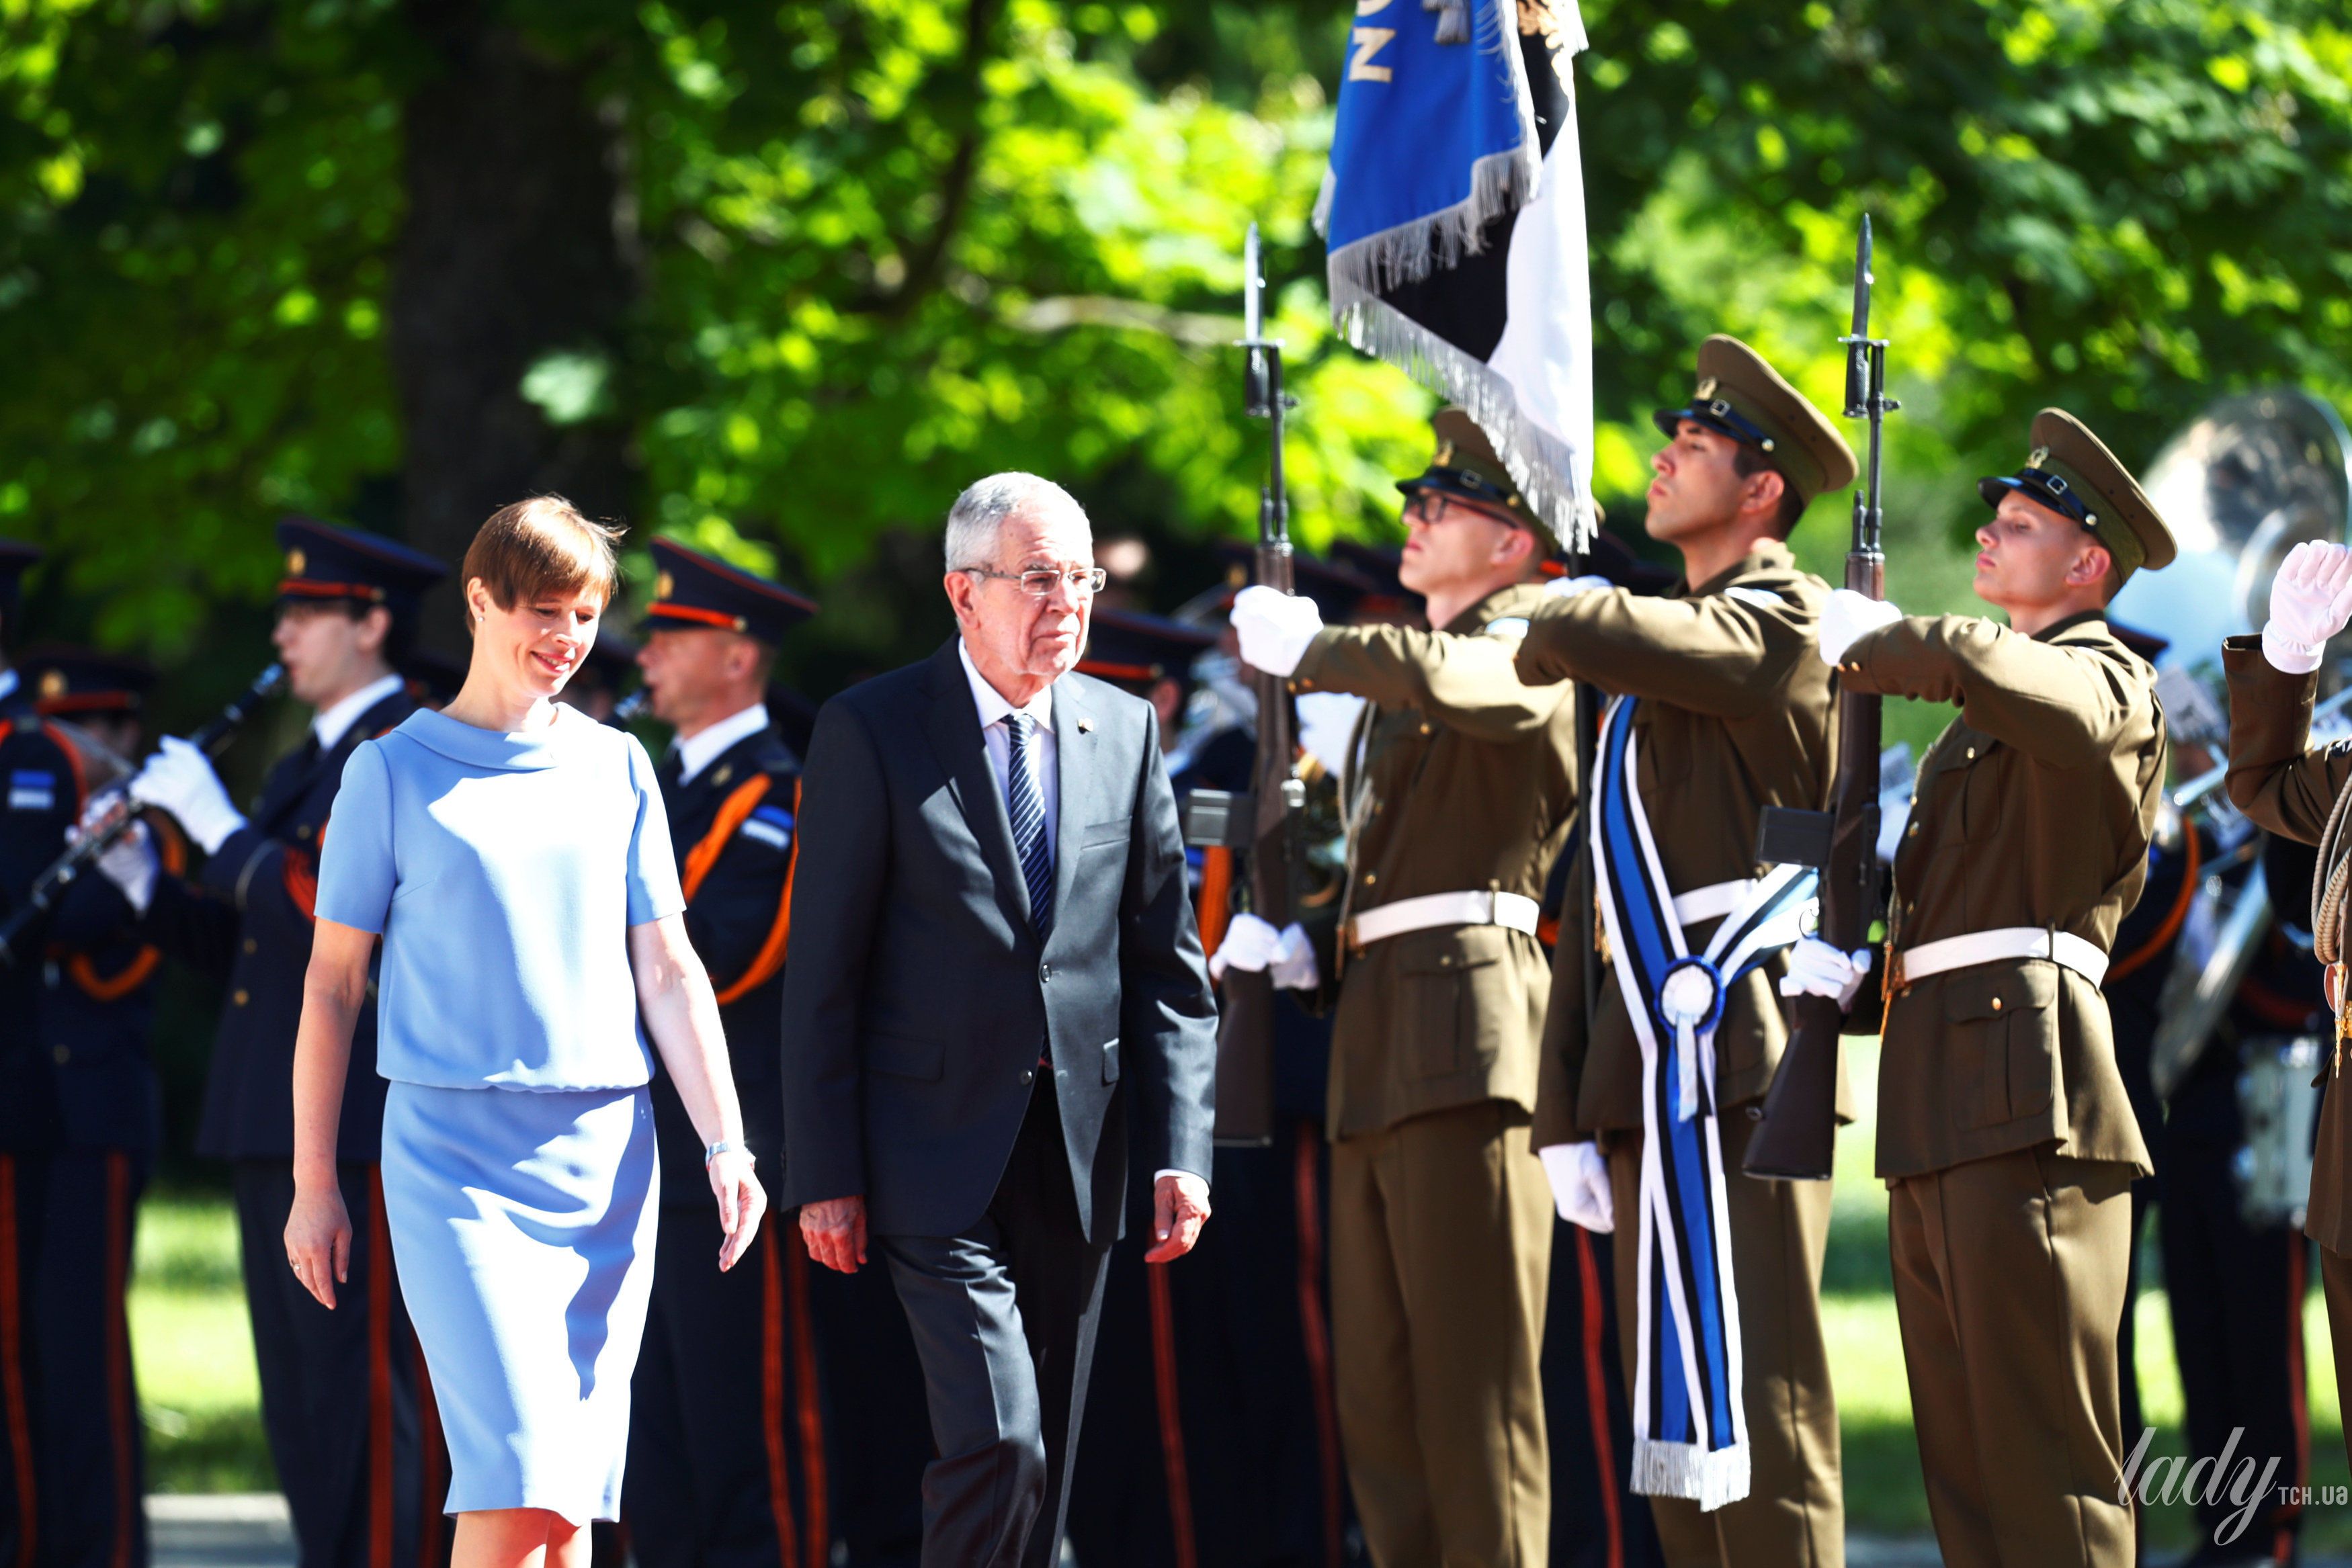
1454, 209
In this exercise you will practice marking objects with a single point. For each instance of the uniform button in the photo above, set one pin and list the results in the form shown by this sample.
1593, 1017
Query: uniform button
1445, 961
240, 998
1912, 832
1028, 1076
303, 832
1424, 729
1370, 877
251, 945
63, 1053
1756, 1113
1996, 1004
1972, 754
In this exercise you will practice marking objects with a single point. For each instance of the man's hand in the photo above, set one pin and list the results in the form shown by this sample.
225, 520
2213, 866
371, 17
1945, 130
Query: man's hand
179, 778
1818, 970
1179, 1207
1578, 1175
1273, 628
1252, 943
1846, 617
2311, 599
835, 1232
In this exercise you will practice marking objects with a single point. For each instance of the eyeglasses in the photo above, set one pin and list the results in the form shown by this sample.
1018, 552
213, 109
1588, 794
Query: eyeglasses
1083, 582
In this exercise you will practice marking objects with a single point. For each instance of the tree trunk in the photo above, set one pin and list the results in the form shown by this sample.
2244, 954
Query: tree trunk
514, 251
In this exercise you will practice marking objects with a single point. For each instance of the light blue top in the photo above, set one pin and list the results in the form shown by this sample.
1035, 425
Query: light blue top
503, 873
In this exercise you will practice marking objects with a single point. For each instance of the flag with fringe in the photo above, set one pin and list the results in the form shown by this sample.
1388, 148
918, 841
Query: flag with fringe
1454, 210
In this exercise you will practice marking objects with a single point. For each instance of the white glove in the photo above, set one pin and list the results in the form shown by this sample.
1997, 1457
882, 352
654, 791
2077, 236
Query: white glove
2311, 599
1579, 1186
179, 778
129, 864
1273, 628
1818, 970
1327, 723
1569, 587
1847, 616
1252, 945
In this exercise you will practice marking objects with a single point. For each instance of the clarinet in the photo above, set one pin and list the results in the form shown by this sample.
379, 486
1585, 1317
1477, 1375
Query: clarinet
111, 811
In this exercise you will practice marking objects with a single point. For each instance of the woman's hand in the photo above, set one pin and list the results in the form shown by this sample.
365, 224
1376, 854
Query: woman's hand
741, 1202
318, 1240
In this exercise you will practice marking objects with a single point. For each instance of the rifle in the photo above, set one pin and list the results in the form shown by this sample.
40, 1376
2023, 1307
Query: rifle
1262, 822
1797, 1140
115, 814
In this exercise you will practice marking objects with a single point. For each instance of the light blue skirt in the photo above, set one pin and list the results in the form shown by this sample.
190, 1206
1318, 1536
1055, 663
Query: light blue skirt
522, 1223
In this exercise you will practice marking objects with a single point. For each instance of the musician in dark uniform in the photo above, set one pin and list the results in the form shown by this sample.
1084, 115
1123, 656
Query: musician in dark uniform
344, 1395
726, 1470
78, 1128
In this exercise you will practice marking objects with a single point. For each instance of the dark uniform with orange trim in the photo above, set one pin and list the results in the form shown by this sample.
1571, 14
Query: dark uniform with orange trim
78, 1133
1209, 1436
344, 1397
727, 1437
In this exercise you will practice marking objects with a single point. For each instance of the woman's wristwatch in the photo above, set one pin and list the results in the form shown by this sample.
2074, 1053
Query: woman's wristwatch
728, 1146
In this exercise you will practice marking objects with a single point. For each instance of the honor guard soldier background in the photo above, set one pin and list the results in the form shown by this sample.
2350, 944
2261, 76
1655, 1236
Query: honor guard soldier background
342, 1392
78, 1133
1441, 1226
1729, 711
2004, 1131
2292, 790
1208, 1438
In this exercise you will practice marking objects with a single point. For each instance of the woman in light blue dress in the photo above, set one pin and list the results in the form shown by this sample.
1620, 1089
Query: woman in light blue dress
513, 856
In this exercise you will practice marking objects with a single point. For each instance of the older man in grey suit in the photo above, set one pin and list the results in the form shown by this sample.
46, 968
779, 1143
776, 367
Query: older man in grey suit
995, 983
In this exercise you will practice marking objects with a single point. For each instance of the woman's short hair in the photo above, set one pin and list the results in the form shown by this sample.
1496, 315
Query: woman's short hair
541, 546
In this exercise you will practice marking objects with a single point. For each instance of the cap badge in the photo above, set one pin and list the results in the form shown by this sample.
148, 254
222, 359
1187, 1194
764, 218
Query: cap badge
1706, 387
53, 683
295, 562
664, 585
2037, 457
1444, 458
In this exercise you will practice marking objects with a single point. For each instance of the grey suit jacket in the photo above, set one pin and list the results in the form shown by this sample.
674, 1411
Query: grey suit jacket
917, 998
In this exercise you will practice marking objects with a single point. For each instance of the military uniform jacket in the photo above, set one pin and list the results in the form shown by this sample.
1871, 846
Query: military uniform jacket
2035, 808
251, 912
1734, 714
1467, 782
732, 827
2277, 780
43, 1068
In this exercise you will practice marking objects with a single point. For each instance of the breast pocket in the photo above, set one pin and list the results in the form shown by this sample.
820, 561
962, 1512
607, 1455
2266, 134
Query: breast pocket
1449, 1008
1979, 768
2001, 1034
1105, 835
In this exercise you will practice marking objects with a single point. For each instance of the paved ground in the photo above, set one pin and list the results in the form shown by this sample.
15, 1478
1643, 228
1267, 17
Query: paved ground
250, 1531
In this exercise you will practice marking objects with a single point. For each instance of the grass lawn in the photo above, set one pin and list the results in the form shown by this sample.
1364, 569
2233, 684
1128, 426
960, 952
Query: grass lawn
196, 1358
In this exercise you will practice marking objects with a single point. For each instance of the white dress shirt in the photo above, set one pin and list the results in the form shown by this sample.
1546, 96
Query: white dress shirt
332, 724
1045, 775
700, 749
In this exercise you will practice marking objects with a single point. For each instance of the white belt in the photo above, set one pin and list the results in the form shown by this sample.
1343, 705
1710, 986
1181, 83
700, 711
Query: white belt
1995, 947
1483, 907
1711, 902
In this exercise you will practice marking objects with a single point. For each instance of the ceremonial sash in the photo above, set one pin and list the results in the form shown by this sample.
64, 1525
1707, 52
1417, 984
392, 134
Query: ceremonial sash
1690, 1431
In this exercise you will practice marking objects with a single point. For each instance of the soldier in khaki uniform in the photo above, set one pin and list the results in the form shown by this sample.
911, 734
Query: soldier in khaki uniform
1732, 713
2004, 1129
2285, 785
1458, 802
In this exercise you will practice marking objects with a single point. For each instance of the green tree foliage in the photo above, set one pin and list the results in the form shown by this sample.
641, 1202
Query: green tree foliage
878, 246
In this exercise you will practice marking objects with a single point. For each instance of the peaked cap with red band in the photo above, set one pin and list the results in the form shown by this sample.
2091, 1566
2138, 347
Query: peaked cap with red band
326, 564
697, 591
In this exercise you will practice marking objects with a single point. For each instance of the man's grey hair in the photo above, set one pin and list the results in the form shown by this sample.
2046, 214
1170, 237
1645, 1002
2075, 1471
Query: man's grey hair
978, 516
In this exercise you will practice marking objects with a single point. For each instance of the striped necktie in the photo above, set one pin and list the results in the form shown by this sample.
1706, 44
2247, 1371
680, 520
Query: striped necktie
1029, 825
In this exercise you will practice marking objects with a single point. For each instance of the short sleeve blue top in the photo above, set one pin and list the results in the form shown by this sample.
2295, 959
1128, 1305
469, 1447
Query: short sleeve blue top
503, 873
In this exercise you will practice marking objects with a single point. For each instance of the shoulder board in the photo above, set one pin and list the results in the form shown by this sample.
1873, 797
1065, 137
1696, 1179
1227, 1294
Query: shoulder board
1507, 626
1761, 597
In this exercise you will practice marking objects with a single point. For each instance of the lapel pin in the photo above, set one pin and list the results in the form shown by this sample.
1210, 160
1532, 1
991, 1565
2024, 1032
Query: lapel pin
1085, 726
